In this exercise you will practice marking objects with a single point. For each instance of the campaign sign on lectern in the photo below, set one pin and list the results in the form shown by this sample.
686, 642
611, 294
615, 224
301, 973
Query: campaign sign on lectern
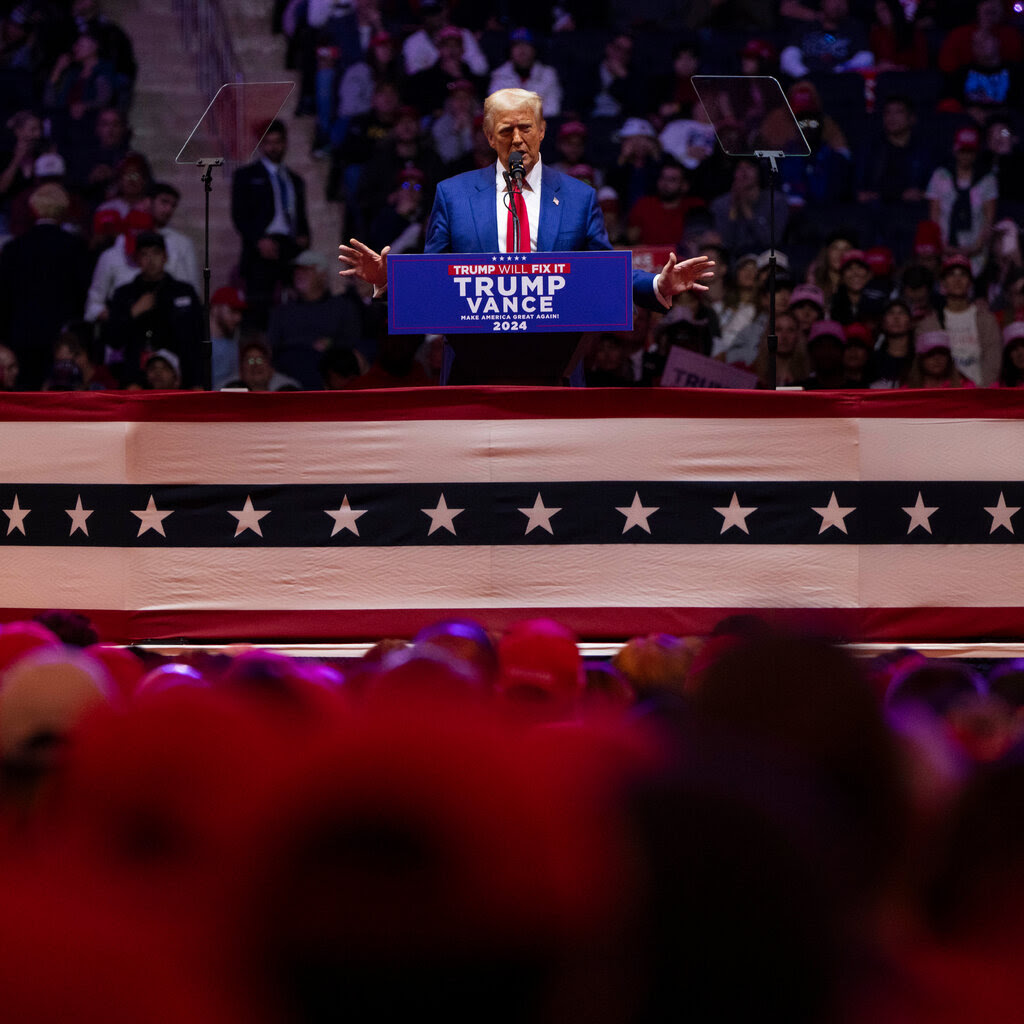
510, 293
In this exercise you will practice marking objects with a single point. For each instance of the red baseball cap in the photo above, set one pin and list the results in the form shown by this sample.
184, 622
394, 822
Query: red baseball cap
927, 238
966, 138
954, 261
758, 48
540, 656
880, 260
857, 333
228, 296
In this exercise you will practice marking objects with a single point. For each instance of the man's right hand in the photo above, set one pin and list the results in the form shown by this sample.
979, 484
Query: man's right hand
364, 263
143, 304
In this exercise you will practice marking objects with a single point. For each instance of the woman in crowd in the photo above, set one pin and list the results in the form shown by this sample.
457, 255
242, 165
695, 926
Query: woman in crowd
1011, 373
933, 364
791, 362
79, 87
19, 163
825, 270
739, 303
1012, 300
894, 350
858, 350
962, 197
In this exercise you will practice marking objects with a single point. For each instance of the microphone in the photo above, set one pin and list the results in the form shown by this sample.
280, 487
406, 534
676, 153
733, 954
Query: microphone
515, 167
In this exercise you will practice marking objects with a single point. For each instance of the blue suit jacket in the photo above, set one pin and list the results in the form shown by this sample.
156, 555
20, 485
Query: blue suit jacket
463, 220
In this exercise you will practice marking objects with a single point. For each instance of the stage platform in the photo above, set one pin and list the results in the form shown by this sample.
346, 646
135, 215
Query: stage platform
344, 516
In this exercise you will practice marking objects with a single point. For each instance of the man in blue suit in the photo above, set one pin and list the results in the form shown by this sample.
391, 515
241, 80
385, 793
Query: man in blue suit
470, 210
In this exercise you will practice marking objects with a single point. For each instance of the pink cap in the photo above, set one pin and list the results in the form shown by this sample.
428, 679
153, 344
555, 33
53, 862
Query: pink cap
829, 328
1013, 332
808, 293
854, 256
929, 341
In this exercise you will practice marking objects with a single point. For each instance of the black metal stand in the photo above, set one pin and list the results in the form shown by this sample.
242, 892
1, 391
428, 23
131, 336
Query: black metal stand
772, 338
208, 166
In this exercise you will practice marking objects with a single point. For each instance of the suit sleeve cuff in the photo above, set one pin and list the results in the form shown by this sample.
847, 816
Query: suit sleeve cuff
667, 303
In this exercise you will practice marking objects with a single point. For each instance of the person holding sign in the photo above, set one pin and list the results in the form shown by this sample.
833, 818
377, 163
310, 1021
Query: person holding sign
519, 205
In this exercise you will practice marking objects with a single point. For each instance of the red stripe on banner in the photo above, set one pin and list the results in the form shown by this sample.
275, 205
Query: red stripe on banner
509, 403
882, 625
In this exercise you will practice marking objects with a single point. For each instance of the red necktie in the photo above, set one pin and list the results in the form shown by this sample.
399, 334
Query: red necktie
524, 225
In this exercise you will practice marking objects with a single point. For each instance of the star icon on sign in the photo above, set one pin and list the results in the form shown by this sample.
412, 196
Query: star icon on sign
345, 517
636, 515
248, 518
442, 517
735, 515
539, 516
16, 517
79, 517
920, 515
151, 518
833, 515
1002, 515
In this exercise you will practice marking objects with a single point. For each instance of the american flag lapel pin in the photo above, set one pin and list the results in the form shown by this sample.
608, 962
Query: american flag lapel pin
555, 200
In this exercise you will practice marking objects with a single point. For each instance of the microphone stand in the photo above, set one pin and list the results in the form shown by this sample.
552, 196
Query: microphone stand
513, 186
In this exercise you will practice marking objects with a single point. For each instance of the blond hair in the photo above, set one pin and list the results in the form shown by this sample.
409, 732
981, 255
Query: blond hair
49, 202
511, 99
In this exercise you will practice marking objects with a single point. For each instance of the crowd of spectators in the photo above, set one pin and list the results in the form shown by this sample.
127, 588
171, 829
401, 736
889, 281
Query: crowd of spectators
912, 110
749, 825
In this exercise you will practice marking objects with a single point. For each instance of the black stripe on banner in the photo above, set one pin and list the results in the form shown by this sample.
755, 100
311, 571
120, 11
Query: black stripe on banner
504, 513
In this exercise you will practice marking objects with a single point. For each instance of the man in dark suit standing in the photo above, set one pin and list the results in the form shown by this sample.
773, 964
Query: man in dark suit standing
470, 212
268, 209
44, 275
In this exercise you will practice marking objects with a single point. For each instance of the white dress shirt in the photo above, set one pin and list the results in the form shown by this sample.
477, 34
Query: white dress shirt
531, 196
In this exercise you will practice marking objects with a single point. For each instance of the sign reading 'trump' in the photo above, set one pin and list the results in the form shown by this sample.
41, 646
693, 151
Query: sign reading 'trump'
476, 294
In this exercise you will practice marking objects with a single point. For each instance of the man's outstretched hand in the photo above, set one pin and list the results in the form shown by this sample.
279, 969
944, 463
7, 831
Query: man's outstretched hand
362, 262
680, 277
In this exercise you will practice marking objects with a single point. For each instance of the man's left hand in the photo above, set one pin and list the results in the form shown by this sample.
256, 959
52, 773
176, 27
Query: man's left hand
685, 276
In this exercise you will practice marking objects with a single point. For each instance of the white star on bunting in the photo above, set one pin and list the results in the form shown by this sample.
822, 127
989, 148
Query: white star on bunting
442, 517
833, 515
920, 515
636, 515
151, 518
539, 516
248, 518
1002, 515
735, 515
79, 516
16, 516
345, 517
